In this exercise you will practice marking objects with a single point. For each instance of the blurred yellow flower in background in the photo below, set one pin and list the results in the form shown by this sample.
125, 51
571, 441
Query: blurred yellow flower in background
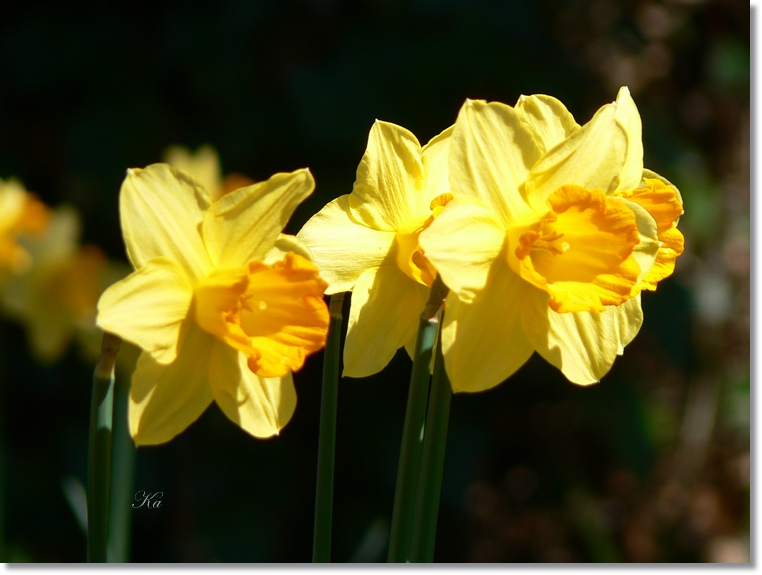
223, 305
21, 214
553, 231
204, 166
366, 242
55, 284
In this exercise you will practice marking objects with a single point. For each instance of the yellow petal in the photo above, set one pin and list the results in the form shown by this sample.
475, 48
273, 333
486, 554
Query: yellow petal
386, 307
663, 205
24, 294
161, 210
165, 399
60, 288
650, 175
261, 406
436, 157
592, 157
490, 157
21, 215
61, 300
203, 166
59, 241
583, 345
12, 199
462, 243
630, 318
628, 118
389, 180
243, 226
547, 119
284, 244
645, 253
48, 330
148, 307
341, 247
483, 342
410, 346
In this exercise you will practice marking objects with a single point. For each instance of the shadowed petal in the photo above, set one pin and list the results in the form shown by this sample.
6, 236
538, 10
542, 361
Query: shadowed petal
483, 342
165, 399
386, 307
583, 345
261, 406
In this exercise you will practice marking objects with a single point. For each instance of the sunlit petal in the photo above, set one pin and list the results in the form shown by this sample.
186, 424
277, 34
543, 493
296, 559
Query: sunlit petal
342, 247
148, 307
389, 177
436, 157
628, 118
592, 157
244, 225
548, 120
462, 243
491, 154
284, 244
162, 210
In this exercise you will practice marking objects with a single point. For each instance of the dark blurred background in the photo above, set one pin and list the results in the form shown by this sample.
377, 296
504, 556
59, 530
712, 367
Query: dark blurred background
652, 464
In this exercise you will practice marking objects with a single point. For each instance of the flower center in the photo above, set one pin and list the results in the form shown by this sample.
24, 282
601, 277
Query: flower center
275, 314
580, 251
410, 257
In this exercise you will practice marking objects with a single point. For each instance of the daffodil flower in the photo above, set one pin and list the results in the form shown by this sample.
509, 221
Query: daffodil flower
553, 231
366, 242
55, 296
21, 213
223, 305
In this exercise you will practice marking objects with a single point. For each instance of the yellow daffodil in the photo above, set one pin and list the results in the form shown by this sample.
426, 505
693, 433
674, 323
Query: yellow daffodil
223, 305
553, 231
21, 213
55, 296
367, 242
204, 166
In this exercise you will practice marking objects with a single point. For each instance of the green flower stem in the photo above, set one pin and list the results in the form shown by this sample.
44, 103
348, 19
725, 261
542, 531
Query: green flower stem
321, 547
123, 476
432, 463
99, 456
412, 431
